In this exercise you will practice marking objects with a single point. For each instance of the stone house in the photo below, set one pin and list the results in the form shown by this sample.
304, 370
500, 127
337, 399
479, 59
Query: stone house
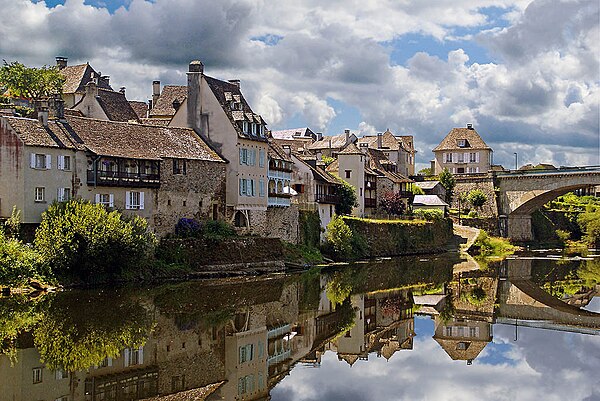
161, 174
76, 78
105, 104
331, 146
219, 113
398, 149
462, 151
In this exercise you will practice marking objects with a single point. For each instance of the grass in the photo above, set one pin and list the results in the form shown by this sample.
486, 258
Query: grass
493, 248
302, 254
384, 221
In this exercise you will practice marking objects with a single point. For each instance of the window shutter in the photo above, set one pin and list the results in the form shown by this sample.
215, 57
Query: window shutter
127, 200
97, 198
254, 157
60, 162
477, 157
454, 157
61, 194
126, 354
241, 155
241, 190
141, 354
48, 162
32, 161
253, 188
141, 200
111, 200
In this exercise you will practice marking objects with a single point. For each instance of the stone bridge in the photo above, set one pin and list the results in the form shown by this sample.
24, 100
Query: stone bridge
523, 300
522, 192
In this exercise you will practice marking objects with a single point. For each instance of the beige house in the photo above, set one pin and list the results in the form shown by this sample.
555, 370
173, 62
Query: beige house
462, 151
219, 113
161, 174
76, 78
398, 149
105, 104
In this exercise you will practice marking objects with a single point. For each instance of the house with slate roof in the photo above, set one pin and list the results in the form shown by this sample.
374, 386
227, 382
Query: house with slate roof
298, 139
398, 149
159, 173
219, 113
331, 146
105, 104
76, 78
462, 151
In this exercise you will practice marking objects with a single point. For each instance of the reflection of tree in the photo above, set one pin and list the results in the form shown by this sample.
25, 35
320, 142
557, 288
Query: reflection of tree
346, 315
448, 310
339, 286
81, 329
310, 289
17, 316
589, 271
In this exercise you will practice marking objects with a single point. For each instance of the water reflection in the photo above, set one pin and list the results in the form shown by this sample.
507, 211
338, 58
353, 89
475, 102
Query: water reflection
394, 322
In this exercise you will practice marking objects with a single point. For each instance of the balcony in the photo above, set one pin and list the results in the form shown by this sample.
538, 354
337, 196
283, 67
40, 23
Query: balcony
123, 179
327, 198
371, 184
370, 202
275, 199
279, 174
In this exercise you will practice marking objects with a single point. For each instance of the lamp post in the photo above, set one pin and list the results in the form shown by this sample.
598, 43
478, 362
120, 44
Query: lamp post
516, 161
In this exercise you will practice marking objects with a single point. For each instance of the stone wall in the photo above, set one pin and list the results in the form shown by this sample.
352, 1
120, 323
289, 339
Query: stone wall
464, 185
235, 255
402, 238
489, 224
197, 194
282, 222
309, 227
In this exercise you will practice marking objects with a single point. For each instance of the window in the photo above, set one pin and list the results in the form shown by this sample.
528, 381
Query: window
461, 143
245, 127
261, 188
447, 157
64, 163
41, 162
246, 353
246, 384
261, 158
253, 126
177, 383
179, 166
248, 156
473, 157
134, 200
64, 194
461, 158
40, 194
61, 374
37, 375
107, 200
247, 187
261, 130
105, 363
462, 346
348, 172
134, 356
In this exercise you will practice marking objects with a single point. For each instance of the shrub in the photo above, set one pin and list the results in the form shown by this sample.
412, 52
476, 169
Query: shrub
339, 236
449, 182
19, 262
417, 190
590, 225
188, 228
477, 198
472, 214
217, 230
563, 235
348, 200
392, 203
82, 240
12, 225
429, 214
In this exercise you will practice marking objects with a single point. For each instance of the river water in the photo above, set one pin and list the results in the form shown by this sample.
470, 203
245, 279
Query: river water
412, 328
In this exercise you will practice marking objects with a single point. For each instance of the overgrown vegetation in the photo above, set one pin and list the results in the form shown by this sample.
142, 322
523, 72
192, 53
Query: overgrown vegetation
429, 214
492, 247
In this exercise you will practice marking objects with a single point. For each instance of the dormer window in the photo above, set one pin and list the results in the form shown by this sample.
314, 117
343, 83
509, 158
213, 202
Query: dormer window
261, 130
232, 105
245, 127
462, 143
253, 129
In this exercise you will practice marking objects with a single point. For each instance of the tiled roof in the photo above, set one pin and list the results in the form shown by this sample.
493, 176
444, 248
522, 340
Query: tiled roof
407, 141
140, 108
33, 133
158, 122
277, 152
351, 149
388, 140
376, 160
318, 173
450, 142
137, 141
474, 348
225, 92
116, 106
337, 142
295, 133
77, 76
428, 200
164, 103
297, 145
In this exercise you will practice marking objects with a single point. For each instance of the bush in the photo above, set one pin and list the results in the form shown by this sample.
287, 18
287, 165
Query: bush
82, 240
19, 263
477, 198
339, 236
392, 203
429, 214
472, 214
188, 228
348, 200
217, 230
590, 225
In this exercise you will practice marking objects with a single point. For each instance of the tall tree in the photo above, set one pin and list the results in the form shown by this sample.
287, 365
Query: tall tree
30, 82
449, 182
348, 200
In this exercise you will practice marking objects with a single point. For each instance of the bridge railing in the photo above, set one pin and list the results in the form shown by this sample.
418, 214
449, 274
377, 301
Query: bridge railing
561, 169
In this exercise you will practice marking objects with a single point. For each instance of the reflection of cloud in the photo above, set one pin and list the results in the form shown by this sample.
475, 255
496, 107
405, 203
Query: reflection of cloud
540, 365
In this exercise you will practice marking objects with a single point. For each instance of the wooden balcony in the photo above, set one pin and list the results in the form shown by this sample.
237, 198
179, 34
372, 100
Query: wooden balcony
327, 198
370, 202
122, 179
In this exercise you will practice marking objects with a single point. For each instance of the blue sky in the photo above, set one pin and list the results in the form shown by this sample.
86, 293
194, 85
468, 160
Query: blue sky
524, 72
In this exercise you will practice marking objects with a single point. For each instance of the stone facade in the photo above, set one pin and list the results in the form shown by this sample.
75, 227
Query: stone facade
466, 184
282, 222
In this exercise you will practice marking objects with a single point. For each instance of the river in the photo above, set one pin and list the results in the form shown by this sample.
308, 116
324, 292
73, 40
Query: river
410, 328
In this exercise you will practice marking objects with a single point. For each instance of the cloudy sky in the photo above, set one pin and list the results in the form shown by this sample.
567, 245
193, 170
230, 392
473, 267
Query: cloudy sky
525, 73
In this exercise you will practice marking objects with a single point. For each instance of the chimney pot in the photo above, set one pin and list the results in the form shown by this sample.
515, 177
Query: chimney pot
235, 82
196, 66
122, 90
379, 140
43, 116
61, 62
469, 126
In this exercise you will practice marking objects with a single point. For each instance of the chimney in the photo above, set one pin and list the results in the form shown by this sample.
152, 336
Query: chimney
122, 90
105, 79
176, 104
469, 126
347, 132
319, 136
379, 140
194, 98
91, 88
155, 93
287, 149
42, 115
56, 107
235, 82
61, 62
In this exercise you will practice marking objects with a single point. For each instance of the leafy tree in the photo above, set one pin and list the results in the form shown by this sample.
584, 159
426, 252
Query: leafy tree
392, 203
30, 82
83, 240
348, 199
590, 225
327, 160
427, 171
19, 263
417, 190
339, 236
12, 225
477, 198
449, 182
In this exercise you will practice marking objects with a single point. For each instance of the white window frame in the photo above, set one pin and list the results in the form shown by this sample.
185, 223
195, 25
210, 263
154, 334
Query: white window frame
105, 199
245, 127
40, 194
134, 200
63, 194
261, 188
134, 356
41, 161
63, 162
261, 158
448, 157
253, 128
37, 375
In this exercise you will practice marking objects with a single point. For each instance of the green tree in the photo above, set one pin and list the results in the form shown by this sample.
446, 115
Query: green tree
348, 199
477, 198
427, 171
85, 241
327, 160
30, 82
590, 225
339, 236
19, 263
449, 182
417, 190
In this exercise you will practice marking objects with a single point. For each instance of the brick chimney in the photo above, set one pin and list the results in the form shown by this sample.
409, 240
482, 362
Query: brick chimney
91, 88
347, 132
379, 140
61, 62
42, 115
155, 92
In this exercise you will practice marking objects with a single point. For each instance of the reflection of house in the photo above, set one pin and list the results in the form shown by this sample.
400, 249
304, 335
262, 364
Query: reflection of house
462, 339
462, 151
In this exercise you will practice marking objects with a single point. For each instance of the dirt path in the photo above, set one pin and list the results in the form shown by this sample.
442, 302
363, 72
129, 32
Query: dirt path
465, 236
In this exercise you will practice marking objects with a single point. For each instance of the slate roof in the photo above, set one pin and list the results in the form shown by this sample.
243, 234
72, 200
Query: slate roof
376, 161
137, 141
388, 140
450, 142
116, 106
33, 133
277, 152
140, 108
164, 103
318, 172
337, 142
427, 184
294, 133
77, 76
351, 149
428, 200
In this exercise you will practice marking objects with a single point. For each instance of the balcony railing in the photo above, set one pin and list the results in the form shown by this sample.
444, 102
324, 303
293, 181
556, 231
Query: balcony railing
370, 202
279, 200
284, 175
122, 179
327, 198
